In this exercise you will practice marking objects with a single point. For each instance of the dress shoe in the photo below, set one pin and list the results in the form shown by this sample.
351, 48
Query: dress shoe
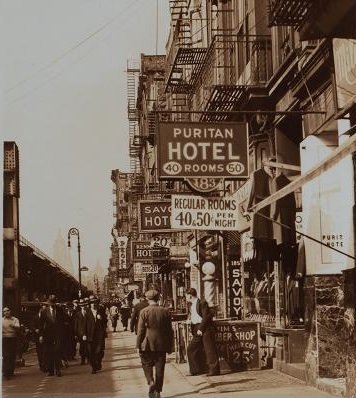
82, 362
50, 374
59, 374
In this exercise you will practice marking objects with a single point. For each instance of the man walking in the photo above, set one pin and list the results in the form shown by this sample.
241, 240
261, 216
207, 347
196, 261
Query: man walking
79, 330
203, 341
51, 335
95, 328
154, 340
136, 313
10, 329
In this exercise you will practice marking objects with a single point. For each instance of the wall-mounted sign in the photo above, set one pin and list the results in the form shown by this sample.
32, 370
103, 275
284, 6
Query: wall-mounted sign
197, 212
235, 289
202, 150
154, 216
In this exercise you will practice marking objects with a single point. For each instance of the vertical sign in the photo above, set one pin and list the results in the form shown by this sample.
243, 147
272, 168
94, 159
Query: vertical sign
235, 283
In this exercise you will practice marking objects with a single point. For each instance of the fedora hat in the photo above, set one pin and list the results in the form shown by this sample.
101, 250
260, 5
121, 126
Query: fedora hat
93, 299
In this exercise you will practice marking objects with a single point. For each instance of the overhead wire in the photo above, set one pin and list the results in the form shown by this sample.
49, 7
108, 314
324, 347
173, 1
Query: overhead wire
71, 49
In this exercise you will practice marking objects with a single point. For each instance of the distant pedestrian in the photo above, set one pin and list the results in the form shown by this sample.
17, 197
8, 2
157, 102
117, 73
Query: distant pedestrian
95, 329
51, 335
114, 316
39, 346
125, 314
136, 313
10, 329
154, 340
79, 330
69, 346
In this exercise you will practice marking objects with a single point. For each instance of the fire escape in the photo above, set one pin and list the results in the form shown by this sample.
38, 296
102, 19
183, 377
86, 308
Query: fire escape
236, 68
315, 19
185, 61
133, 71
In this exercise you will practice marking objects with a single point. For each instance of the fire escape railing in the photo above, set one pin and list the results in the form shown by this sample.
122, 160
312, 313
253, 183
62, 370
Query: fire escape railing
233, 65
288, 12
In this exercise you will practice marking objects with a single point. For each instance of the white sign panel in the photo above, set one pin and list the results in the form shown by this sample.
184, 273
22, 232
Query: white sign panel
149, 268
327, 209
197, 212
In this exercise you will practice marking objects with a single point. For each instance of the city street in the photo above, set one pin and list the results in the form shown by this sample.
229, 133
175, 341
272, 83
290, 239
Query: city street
122, 376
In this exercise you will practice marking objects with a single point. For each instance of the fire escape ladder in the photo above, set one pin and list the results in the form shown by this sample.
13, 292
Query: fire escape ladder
133, 71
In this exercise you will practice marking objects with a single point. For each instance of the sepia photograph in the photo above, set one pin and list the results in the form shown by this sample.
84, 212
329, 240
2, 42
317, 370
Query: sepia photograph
178, 198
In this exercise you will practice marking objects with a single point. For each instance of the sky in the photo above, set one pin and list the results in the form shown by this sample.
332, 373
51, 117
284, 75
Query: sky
64, 103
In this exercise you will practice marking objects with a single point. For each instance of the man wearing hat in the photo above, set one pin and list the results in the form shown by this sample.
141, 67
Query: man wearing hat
154, 340
51, 335
94, 333
75, 306
136, 313
79, 330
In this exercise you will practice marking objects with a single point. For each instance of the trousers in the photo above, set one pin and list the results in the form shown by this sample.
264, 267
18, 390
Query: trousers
202, 351
9, 347
150, 360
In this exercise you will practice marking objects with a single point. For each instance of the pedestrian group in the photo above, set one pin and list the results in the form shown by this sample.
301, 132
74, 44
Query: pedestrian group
60, 328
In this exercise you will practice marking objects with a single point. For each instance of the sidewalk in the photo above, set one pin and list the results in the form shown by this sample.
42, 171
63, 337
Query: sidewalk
122, 377
257, 384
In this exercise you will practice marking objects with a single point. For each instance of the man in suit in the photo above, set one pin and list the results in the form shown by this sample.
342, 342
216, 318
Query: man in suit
203, 342
51, 335
79, 330
154, 340
136, 313
94, 333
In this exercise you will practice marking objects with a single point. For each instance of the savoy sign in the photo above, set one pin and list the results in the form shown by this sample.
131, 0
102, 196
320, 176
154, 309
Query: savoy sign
154, 215
191, 150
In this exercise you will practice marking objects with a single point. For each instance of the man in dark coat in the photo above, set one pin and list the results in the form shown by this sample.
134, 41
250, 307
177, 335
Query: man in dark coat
203, 341
51, 335
79, 330
154, 340
136, 313
95, 329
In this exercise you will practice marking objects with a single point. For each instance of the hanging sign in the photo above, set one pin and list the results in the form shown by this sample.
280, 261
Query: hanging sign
197, 212
202, 150
142, 251
154, 215
242, 195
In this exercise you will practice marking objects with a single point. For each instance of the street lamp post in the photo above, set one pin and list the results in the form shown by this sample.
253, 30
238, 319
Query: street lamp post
75, 231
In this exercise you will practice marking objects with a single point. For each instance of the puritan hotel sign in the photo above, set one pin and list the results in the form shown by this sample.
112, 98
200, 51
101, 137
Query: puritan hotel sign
191, 150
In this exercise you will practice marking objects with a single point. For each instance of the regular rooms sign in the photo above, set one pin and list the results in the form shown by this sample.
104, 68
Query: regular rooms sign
191, 150
197, 212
